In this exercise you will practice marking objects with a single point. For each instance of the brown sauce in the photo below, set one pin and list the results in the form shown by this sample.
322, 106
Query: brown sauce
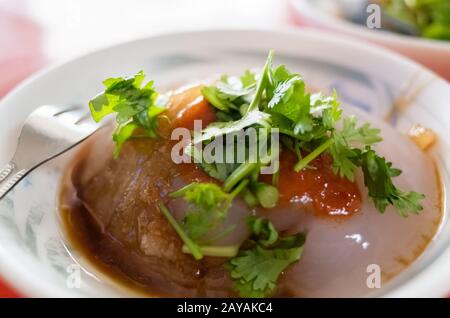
155, 264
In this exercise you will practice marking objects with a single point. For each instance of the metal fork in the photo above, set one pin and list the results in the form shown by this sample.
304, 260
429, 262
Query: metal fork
47, 132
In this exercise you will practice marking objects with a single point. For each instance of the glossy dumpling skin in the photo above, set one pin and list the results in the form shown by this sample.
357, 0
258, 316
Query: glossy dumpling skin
338, 253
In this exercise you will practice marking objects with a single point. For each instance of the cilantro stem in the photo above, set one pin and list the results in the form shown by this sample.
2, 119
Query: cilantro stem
217, 251
180, 192
241, 172
289, 133
239, 188
312, 155
266, 194
261, 84
249, 198
194, 248
276, 177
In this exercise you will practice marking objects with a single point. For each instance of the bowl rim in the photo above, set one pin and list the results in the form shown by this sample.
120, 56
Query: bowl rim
32, 286
304, 8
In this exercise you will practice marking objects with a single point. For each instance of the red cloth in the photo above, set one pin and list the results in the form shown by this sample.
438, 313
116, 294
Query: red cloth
20, 55
7, 292
20, 50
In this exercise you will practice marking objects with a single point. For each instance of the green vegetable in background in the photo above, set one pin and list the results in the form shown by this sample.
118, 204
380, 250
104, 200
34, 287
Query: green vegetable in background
431, 18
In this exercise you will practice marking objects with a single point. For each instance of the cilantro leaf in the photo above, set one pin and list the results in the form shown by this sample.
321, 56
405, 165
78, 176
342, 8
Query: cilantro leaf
364, 134
328, 107
229, 95
134, 104
218, 170
343, 157
290, 100
121, 134
256, 270
209, 205
218, 99
378, 174
262, 231
233, 91
216, 129
342, 149
248, 79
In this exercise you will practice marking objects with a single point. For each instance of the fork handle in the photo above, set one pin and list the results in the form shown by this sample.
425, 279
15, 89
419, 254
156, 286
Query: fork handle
9, 176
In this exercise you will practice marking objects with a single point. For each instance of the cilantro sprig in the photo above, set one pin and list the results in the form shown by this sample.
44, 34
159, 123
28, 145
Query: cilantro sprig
310, 125
208, 207
426, 18
135, 106
251, 115
378, 174
342, 149
289, 100
256, 270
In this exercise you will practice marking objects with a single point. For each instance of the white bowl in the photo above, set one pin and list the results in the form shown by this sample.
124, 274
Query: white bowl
434, 54
34, 255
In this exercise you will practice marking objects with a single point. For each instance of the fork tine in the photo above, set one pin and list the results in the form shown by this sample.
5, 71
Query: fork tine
46, 133
67, 110
51, 110
73, 116
83, 118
